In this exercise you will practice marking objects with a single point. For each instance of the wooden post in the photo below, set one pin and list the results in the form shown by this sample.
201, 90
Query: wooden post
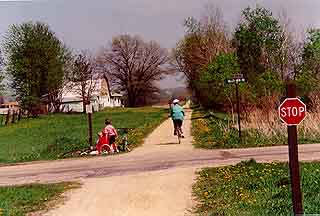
19, 115
238, 109
89, 112
13, 116
293, 160
90, 128
237, 78
8, 117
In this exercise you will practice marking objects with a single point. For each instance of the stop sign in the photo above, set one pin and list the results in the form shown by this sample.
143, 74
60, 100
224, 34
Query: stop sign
292, 111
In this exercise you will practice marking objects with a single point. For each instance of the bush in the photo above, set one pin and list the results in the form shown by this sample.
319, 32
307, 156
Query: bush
212, 82
260, 128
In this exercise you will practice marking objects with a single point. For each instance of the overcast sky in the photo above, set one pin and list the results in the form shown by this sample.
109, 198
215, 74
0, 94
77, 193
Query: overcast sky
89, 24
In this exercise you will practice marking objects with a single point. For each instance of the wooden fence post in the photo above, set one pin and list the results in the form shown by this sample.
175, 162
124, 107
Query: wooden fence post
13, 116
8, 117
20, 115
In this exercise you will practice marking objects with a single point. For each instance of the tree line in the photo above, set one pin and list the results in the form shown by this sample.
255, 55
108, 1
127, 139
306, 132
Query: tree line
40, 67
262, 47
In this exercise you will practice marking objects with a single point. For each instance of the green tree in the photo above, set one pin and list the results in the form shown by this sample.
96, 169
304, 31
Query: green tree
311, 53
309, 74
267, 90
212, 82
205, 39
257, 40
36, 62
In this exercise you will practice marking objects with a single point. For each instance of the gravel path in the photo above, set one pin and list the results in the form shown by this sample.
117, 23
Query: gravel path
156, 193
154, 179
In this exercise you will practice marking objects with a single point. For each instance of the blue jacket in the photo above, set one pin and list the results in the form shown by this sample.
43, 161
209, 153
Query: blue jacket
177, 112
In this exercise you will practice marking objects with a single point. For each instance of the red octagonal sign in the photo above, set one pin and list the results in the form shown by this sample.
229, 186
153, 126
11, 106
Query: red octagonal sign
292, 111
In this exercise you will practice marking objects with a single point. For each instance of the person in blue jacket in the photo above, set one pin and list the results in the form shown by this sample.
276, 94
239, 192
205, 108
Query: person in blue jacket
177, 115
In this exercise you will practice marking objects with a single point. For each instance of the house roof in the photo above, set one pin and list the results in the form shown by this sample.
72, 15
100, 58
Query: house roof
116, 95
75, 99
71, 99
11, 103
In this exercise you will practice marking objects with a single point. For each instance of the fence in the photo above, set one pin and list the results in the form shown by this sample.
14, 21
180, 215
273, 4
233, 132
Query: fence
10, 117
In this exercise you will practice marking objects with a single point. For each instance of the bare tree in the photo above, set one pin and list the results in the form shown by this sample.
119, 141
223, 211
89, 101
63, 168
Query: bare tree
133, 65
286, 58
55, 91
204, 40
289, 54
83, 79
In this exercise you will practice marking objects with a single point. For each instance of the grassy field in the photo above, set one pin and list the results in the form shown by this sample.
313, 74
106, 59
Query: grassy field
218, 130
20, 200
227, 190
48, 137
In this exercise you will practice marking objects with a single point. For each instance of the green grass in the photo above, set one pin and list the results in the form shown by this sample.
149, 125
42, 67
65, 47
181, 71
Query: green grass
251, 188
20, 200
48, 137
210, 131
215, 131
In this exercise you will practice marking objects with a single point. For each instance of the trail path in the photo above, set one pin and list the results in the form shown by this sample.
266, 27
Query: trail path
156, 193
159, 152
154, 179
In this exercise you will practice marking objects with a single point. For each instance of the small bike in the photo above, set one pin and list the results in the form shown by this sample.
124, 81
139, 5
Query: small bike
123, 141
179, 134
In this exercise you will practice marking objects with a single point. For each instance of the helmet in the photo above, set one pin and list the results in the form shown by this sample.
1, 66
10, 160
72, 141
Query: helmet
175, 101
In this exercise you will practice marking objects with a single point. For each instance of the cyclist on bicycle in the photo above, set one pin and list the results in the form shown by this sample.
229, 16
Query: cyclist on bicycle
177, 115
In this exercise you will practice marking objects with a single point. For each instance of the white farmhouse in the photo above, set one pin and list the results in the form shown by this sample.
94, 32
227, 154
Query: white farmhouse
101, 97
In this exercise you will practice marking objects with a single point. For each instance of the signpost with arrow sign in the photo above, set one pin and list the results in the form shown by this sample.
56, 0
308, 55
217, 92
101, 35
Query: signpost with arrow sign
236, 79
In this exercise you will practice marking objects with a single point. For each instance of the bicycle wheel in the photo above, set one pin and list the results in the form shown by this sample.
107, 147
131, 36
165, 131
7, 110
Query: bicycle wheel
179, 134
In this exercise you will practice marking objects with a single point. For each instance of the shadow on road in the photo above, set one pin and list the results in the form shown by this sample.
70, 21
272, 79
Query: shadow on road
170, 143
210, 115
206, 117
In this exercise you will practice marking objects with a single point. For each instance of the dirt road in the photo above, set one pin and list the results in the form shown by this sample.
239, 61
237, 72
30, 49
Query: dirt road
156, 193
159, 152
154, 179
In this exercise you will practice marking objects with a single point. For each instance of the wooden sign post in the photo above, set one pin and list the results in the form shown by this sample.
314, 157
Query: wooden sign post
237, 78
89, 112
292, 111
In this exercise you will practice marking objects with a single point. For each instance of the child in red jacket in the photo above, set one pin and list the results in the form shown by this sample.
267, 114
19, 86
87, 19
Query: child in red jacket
107, 137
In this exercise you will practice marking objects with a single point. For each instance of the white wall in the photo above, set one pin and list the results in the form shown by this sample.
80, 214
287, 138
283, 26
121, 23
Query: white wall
77, 107
116, 102
99, 102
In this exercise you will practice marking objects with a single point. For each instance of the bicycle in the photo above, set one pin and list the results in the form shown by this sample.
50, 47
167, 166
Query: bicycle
123, 144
